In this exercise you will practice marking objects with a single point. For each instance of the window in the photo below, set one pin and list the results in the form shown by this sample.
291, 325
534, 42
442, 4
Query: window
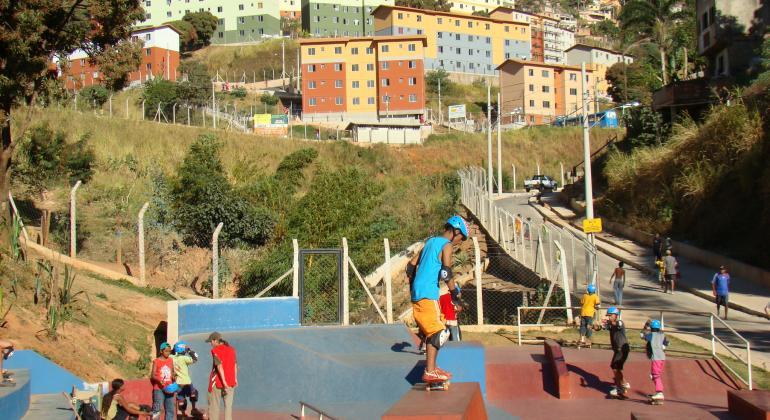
412, 81
546, 104
311, 101
386, 99
356, 101
486, 26
148, 3
148, 37
412, 64
412, 98
338, 100
545, 73
507, 29
470, 51
419, 18
356, 84
412, 47
470, 24
338, 84
573, 91
354, 51
311, 84
385, 48
400, 16
338, 50
311, 51
531, 88
489, 40
457, 22
532, 102
385, 82
241, 19
440, 21
370, 51
240, 7
507, 42
440, 49
168, 14
459, 51
385, 65
219, 9
531, 72
370, 67
546, 89
370, 100
354, 67
572, 76
310, 68
337, 66
370, 83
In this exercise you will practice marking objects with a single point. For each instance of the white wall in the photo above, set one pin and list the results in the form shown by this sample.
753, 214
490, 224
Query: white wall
163, 37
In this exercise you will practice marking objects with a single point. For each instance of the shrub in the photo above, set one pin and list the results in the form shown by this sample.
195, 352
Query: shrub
268, 99
45, 157
95, 96
240, 92
159, 92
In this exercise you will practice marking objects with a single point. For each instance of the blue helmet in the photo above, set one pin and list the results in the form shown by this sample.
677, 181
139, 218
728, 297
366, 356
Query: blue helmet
591, 289
171, 388
180, 347
613, 311
458, 222
655, 324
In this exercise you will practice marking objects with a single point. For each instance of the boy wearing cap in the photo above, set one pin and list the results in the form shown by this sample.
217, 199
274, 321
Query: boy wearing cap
656, 345
162, 376
720, 287
223, 378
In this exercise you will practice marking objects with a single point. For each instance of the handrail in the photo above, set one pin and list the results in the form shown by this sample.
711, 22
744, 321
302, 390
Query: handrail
320, 412
612, 140
747, 361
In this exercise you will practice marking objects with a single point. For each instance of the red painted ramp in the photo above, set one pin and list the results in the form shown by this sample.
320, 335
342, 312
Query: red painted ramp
462, 401
520, 382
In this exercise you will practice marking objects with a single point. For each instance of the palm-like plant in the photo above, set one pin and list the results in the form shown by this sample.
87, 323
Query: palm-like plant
654, 19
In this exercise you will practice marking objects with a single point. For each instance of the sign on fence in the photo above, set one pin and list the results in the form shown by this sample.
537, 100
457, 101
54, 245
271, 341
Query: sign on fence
456, 111
268, 124
592, 225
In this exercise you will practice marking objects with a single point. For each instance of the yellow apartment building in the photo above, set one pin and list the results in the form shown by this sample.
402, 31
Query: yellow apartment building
457, 42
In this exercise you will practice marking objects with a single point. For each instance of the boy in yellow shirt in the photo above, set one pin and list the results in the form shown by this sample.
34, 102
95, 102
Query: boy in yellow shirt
589, 304
183, 357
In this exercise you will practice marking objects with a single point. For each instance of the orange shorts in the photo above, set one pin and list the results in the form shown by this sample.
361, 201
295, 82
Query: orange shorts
428, 316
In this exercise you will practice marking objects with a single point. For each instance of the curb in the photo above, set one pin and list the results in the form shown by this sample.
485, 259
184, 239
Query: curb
652, 272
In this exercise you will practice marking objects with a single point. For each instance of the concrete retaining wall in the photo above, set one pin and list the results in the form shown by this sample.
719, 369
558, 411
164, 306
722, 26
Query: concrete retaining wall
46, 376
14, 402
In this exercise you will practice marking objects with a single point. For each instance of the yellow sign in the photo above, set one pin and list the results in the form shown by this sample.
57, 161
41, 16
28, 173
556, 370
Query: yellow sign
261, 120
592, 225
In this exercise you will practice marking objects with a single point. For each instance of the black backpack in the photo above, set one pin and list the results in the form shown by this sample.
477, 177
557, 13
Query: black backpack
88, 411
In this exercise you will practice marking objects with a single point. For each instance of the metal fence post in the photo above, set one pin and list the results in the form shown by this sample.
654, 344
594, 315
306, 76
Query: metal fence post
215, 261
295, 269
514, 177
143, 109
477, 275
345, 284
388, 283
110, 105
141, 245
713, 342
73, 220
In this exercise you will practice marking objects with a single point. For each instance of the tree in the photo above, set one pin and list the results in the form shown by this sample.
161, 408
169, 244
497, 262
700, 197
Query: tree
205, 24
33, 32
640, 81
482, 13
195, 87
433, 78
606, 29
268, 99
189, 36
290, 26
438, 5
531, 6
657, 20
159, 92
117, 61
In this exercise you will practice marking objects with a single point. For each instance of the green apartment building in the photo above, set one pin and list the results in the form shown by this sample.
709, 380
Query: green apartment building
337, 18
239, 20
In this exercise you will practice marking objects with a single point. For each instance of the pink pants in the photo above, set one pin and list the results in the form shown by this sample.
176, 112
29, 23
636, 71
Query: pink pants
656, 373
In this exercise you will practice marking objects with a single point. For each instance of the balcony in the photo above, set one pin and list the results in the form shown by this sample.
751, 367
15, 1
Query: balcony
687, 93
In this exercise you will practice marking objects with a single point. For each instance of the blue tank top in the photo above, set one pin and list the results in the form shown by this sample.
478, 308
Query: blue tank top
425, 285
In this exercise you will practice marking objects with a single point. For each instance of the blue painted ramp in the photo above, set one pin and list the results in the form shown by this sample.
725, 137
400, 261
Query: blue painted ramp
46, 377
354, 372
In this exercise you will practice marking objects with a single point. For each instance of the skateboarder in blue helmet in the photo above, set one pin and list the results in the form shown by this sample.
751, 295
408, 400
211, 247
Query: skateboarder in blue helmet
429, 267
620, 350
656, 346
183, 357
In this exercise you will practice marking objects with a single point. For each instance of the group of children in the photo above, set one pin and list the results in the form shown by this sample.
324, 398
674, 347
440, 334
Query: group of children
171, 382
651, 333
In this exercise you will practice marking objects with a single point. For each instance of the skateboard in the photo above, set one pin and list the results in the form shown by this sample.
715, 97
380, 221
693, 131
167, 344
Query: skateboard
432, 386
653, 402
620, 395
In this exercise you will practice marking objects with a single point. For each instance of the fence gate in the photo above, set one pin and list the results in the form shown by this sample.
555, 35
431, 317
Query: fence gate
320, 286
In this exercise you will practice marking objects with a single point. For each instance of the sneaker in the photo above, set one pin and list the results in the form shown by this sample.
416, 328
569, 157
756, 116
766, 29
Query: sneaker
658, 396
433, 376
443, 372
155, 416
627, 386
614, 391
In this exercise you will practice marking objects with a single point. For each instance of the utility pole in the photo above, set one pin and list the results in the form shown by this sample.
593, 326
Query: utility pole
440, 113
298, 71
283, 63
596, 100
489, 148
499, 150
587, 179
213, 105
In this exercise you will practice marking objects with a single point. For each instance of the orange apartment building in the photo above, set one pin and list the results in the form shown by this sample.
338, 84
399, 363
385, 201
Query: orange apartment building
536, 93
160, 59
363, 79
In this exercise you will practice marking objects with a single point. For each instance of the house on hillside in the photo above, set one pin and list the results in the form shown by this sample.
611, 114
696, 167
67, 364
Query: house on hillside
160, 59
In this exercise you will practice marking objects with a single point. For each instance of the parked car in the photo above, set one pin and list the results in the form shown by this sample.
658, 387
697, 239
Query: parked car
540, 182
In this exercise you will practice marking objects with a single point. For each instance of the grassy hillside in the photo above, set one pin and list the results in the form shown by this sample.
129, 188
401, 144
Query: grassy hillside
707, 184
234, 61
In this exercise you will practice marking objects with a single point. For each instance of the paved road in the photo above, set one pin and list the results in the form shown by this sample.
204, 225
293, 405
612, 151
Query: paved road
643, 290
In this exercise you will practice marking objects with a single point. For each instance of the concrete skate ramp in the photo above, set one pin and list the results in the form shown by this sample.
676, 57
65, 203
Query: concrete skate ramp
354, 372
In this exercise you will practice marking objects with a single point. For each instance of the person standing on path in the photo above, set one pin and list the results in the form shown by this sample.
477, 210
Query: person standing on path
657, 247
223, 378
656, 345
619, 277
589, 303
720, 287
670, 264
